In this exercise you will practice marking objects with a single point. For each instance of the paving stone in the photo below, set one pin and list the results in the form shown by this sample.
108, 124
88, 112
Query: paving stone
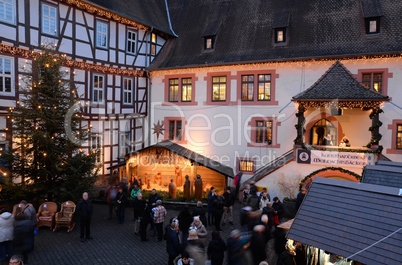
112, 243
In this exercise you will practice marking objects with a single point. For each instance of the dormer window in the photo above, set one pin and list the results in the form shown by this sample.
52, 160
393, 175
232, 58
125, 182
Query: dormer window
209, 43
372, 11
280, 35
372, 25
279, 25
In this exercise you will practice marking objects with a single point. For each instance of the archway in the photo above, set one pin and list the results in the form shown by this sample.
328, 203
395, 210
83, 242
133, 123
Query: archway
330, 172
334, 121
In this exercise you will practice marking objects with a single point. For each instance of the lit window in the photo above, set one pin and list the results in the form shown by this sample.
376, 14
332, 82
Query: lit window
264, 87
96, 147
175, 130
280, 35
373, 81
246, 165
7, 11
101, 34
263, 132
124, 143
49, 20
209, 42
6, 74
399, 137
98, 88
186, 87
247, 87
128, 85
173, 89
153, 44
372, 25
131, 41
219, 88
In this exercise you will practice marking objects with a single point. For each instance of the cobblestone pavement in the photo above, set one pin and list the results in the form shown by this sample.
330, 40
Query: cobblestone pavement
112, 243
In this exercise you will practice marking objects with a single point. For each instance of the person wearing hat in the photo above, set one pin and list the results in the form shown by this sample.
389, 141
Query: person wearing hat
278, 207
159, 217
173, 246
235, 248
200, 228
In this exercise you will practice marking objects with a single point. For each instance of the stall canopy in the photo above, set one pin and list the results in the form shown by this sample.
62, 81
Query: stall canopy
384, 173
193, 157
359, 221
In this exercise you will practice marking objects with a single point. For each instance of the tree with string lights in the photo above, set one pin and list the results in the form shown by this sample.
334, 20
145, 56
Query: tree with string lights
45, 159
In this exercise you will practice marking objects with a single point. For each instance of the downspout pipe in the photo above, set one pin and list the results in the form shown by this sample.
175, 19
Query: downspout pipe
168, 17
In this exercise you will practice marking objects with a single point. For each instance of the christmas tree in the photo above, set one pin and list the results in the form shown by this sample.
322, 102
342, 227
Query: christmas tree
47, 134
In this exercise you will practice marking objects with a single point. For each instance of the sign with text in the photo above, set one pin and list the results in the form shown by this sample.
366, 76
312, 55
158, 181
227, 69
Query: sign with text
333, 158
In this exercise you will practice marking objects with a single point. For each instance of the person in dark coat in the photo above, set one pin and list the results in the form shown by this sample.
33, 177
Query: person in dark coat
145, 221
218, 212
258, 245
253, 200
85, 210
228, 207
216, 249
199, 211
185, 220
139, 205
270, 212
235, 248
278, 207
211, 197
300, 198
23, 237
173, 246
153, 197
121, 199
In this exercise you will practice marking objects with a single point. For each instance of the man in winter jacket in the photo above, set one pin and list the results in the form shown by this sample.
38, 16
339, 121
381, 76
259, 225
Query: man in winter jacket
228, 206
173, 246
85, 210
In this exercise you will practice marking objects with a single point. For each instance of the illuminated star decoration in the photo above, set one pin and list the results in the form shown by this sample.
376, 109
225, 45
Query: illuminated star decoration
158, 129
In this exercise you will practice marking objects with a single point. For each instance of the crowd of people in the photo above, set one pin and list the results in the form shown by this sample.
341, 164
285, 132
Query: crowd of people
187, 237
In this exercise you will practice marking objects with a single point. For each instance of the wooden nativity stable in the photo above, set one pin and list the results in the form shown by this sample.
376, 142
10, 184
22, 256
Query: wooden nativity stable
155, 166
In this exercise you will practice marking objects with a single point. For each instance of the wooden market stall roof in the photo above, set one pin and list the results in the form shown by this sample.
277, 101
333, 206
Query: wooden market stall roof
338, 83
193, 157
387, 174
355, 220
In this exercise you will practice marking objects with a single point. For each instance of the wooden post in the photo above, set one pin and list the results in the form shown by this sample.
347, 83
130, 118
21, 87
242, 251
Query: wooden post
300, 125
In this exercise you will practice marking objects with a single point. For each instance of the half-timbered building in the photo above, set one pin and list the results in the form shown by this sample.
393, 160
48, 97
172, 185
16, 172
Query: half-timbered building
108, 46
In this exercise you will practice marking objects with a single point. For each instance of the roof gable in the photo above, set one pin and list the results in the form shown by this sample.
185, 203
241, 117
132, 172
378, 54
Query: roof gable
338, 84
193, 156
346, 217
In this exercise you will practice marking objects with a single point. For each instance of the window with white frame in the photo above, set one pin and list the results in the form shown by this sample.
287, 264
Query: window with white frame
95, 145
98, 88
131, 41
6, 74
49, 20
7, 11
101, 34
124, 144
153, 44
128, 87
